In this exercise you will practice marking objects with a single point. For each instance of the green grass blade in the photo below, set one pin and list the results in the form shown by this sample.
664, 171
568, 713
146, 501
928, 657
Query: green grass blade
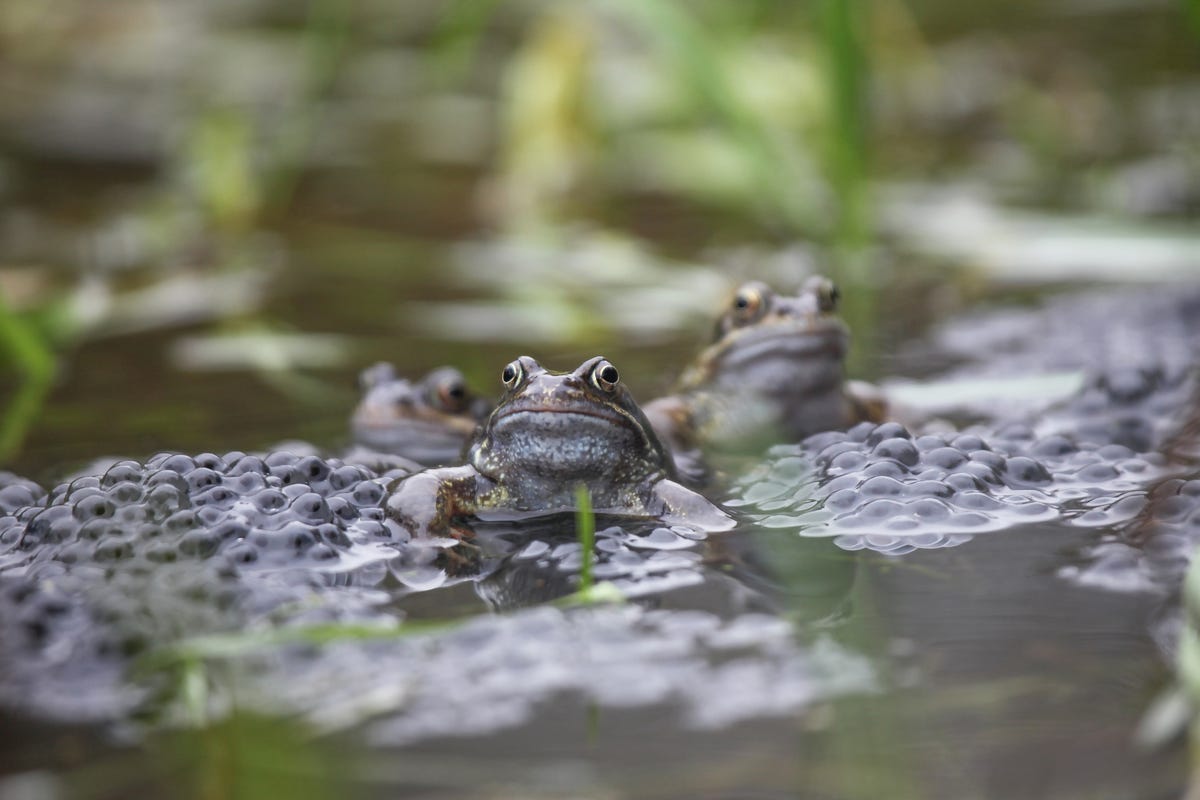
585, 527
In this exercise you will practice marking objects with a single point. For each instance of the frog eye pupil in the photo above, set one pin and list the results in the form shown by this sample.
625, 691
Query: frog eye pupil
741, 301
510, 374
456, 392
608, 374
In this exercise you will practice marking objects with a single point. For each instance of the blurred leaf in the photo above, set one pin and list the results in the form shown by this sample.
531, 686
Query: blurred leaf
218, 155
457, 38
263, 350
549, 137
933, 397
35, 362
239, 645
687, 47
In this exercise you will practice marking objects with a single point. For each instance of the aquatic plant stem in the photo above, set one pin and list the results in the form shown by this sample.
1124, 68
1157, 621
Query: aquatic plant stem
585, 528
847, 165
847, 148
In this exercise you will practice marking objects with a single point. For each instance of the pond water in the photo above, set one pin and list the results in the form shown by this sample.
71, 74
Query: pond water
1031, 309
807, 653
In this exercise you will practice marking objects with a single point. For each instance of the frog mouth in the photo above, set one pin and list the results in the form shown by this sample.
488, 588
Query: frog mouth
789, 343
420, 421
611, 417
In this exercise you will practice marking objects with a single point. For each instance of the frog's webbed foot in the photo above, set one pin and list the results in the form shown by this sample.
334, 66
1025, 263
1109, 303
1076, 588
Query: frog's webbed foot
675, 504
425, 503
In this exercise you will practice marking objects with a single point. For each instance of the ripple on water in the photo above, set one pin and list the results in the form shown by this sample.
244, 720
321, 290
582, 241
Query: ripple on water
1152, 552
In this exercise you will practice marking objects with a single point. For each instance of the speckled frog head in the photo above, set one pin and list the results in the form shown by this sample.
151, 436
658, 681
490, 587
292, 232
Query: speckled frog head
552, 431
428, 421
775, 344
550, 434
774, 373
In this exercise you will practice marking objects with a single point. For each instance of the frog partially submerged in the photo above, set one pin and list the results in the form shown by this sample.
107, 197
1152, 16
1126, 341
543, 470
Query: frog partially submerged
775, 372
428, 421
551, 433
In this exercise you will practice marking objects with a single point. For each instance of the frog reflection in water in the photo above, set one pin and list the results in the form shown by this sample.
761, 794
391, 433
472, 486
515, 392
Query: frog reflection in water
774, 373
551, 433
428, 421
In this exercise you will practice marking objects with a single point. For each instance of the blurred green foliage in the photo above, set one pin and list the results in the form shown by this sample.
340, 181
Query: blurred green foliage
143, 142
35, 363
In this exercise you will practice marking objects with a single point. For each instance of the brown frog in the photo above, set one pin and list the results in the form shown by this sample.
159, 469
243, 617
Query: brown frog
774, 372
428, 421
551, 433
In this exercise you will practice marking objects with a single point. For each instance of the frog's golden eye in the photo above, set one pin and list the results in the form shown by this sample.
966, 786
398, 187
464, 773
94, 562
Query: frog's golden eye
748, 303
452, 394
605, 376
512, 374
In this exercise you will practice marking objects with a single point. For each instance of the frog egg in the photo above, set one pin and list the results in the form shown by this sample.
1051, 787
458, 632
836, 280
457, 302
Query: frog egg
815, 443
313, 469
210, 460
831, 452
176, 462
929, 442
280, 458
887, 430
199, 543
892, 469
120, 472
202, 478
269, 501
93, 506
367, 493
1052, 446
165, 499
945, 457
346, 477
968, 442
881, 486
247, 464
310, 507
1025, 471
860, 432
16, 497
900, 449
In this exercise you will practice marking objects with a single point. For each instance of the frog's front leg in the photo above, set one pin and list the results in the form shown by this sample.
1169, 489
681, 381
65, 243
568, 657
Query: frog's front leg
675, 504
425, 503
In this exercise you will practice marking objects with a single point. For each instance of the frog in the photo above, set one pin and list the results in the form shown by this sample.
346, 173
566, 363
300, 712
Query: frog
550, 433
429, 421
774, 372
